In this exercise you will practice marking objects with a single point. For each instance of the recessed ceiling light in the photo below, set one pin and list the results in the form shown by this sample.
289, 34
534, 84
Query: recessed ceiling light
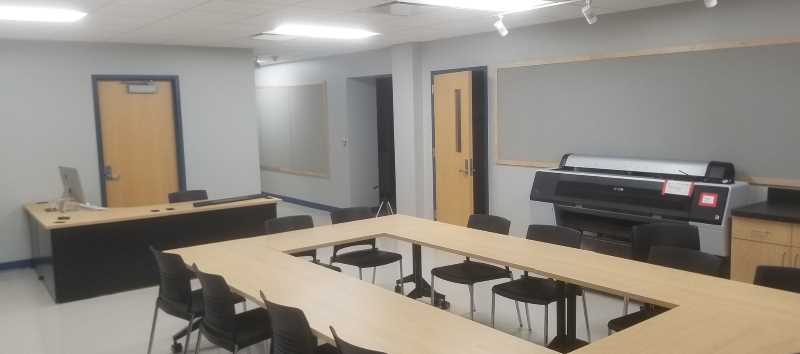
322, 32
39, 14
500, 6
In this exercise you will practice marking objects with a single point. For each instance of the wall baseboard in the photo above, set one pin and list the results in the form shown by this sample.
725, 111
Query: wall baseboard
23, 263
304, 203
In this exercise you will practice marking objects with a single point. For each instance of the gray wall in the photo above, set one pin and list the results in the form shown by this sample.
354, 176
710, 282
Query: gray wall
412, 64
334, 190
659, 27
47, 112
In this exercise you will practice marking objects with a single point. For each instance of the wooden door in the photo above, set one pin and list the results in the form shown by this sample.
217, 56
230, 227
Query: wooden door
746, 255
138, 141
452, 96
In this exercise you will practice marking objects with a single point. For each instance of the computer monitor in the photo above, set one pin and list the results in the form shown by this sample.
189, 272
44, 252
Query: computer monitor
72, 184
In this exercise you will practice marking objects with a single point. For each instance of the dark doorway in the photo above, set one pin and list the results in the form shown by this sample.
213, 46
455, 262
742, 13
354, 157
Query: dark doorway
386, 169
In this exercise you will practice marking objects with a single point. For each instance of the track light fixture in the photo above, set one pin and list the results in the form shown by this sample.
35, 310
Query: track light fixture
588, 12
500, 26
710, 3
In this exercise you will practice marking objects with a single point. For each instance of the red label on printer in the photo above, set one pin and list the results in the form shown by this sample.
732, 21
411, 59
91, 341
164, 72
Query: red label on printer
709, 200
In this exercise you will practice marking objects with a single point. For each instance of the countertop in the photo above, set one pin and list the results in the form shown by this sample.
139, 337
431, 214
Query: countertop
775, 211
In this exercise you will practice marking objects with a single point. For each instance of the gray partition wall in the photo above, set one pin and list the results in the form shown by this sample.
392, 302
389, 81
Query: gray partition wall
740, 105
293, 126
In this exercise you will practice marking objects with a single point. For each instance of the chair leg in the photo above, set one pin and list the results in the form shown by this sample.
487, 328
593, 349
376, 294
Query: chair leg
625, 301
188, 335
586, 317
197, 345
402, 284
471, 302
493, 300
373, 274
546, 324
360, 274
433, 292
153, 329
528, 317
519, 314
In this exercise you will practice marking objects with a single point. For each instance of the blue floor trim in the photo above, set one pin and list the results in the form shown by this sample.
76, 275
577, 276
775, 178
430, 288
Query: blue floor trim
23, 263
304, 203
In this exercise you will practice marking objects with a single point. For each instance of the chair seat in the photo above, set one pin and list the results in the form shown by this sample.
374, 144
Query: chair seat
632, 319
470, 272
179, 310
368, 258
252, 327
529, 290
326, 349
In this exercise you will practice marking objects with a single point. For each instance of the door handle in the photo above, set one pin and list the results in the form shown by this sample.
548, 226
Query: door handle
109, 174
466, 169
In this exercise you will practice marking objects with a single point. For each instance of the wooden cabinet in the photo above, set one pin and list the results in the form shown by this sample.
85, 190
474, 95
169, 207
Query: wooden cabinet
758, 242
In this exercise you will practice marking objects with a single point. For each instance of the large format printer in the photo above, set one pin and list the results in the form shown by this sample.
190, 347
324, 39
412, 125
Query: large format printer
604, 197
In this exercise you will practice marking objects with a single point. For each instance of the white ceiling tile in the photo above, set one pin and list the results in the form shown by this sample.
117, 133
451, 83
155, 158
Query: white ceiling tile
231, 23
342, 5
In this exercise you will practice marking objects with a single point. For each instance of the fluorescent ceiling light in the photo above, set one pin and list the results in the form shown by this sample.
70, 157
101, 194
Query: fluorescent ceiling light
322, 32
500, 6
39, 14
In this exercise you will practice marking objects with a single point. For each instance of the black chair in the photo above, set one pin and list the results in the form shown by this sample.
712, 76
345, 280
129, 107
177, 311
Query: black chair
221, 325
292, 223
188, 196
291, 333
661, 234
673, 257
470, 272
782, 278
175, 297
347, 348
365, 258
541, 291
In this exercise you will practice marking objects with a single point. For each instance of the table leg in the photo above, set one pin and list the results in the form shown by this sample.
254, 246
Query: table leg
421, 287
566, 339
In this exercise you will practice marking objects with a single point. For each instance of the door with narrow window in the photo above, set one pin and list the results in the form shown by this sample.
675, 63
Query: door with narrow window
138, 141
453, 147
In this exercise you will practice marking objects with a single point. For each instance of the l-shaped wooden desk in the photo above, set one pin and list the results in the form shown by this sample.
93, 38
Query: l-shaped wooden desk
85, 253
708, 315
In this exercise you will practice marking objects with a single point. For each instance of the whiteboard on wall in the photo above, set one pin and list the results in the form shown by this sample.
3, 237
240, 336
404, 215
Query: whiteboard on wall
293, 129
740, 105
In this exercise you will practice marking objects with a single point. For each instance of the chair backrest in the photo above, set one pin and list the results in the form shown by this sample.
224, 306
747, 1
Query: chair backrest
352, 214
558, 235
288, 223
663, 234
490, 223
219, 309
174, 278
686, 259
347, 348
782, 278
188, 196
291, 333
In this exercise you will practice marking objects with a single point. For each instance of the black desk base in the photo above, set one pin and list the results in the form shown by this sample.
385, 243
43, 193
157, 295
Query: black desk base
565, 340
421, 287
82, 262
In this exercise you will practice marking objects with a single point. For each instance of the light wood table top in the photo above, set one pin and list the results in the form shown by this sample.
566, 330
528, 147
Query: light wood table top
709, 315
82, 217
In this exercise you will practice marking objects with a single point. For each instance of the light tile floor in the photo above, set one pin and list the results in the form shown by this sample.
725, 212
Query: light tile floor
30, 323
